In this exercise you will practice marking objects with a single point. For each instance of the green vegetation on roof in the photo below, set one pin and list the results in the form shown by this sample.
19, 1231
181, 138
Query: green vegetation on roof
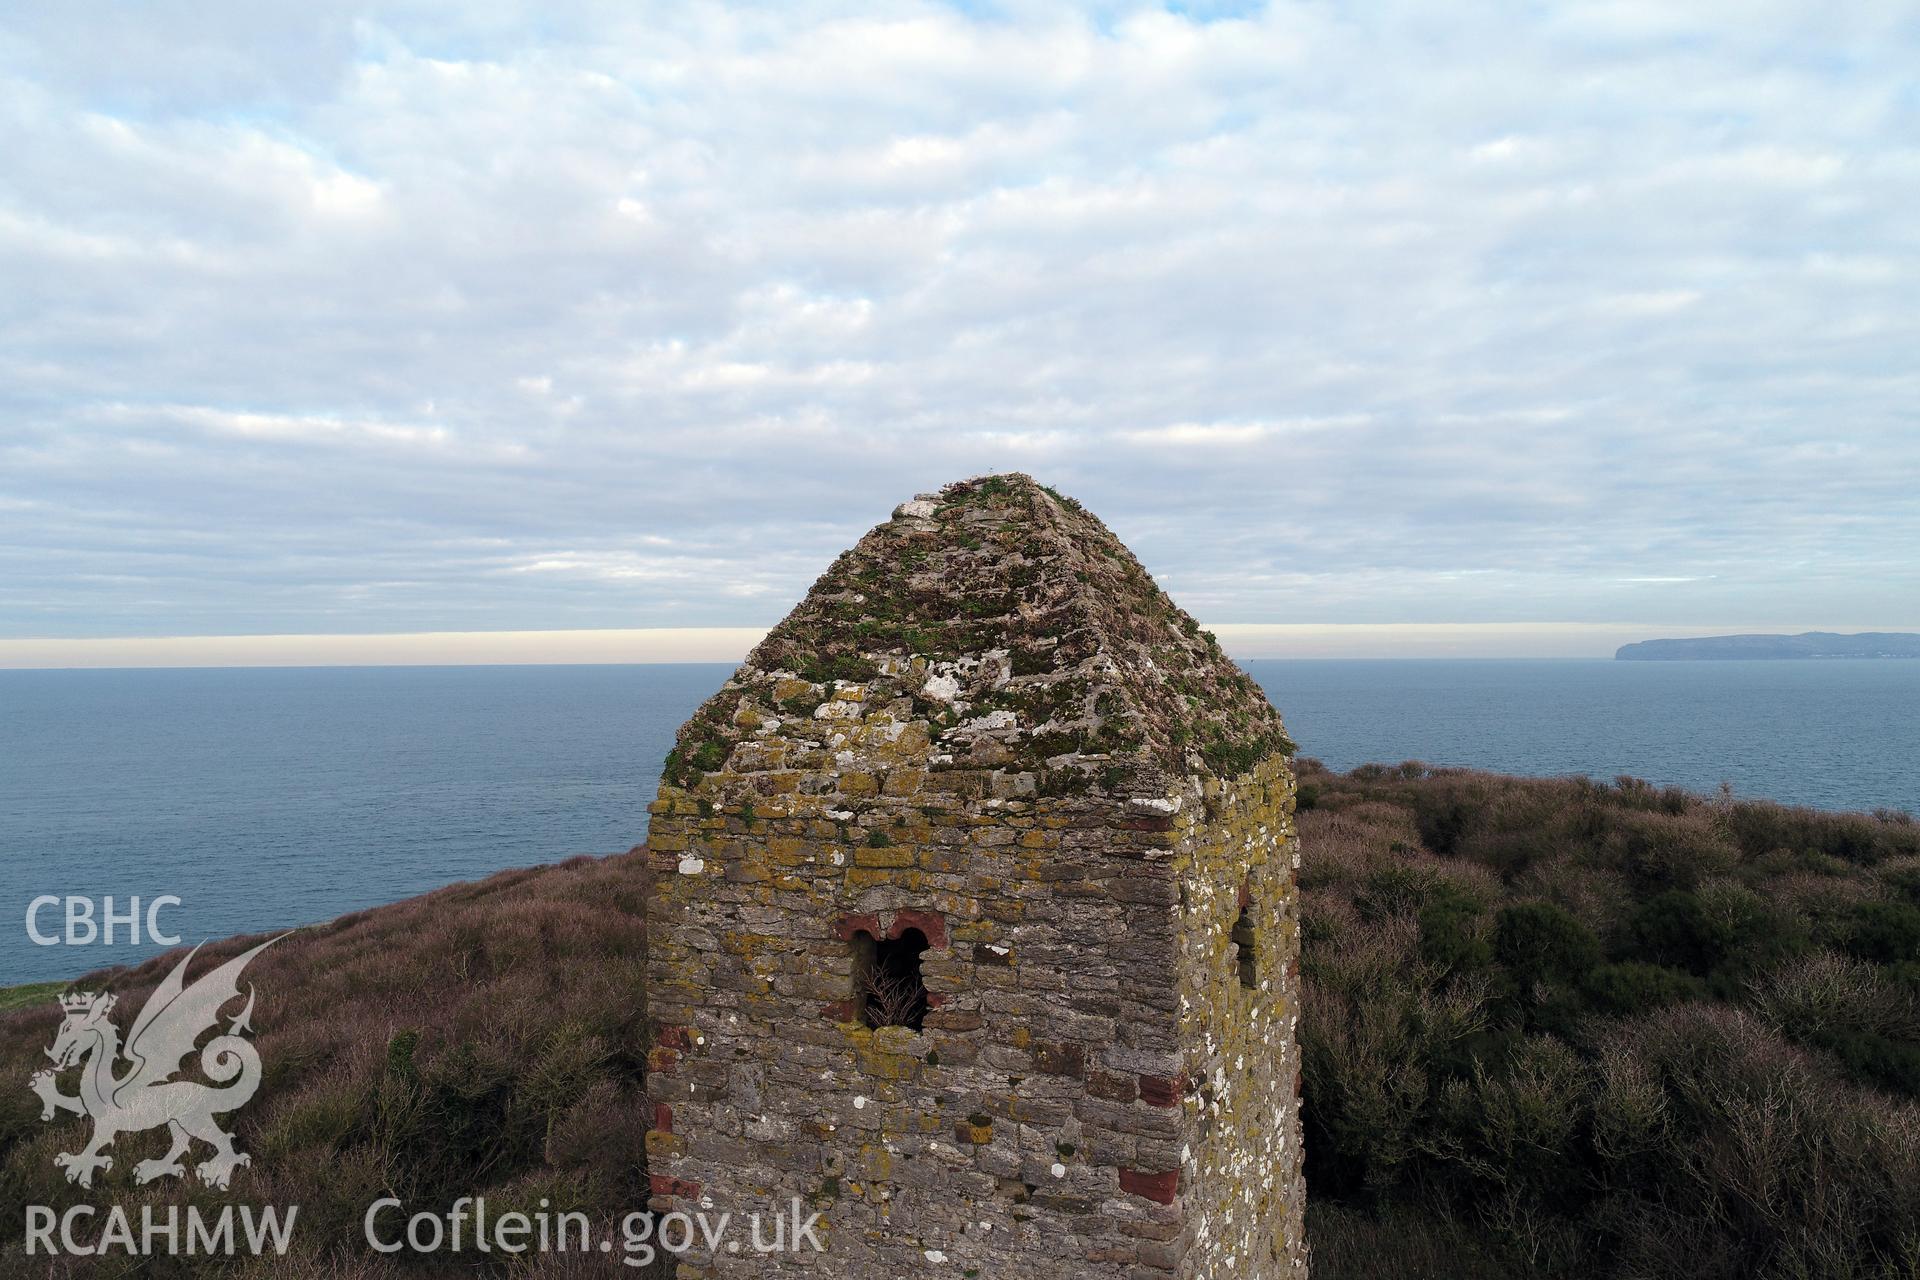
1029, 605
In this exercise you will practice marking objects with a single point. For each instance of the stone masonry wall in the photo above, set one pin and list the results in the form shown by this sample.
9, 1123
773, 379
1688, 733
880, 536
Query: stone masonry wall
1088, 1031
987, 724
1244, 1187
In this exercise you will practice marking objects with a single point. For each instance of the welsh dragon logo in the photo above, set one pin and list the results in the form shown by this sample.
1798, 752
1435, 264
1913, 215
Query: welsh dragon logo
130, 1089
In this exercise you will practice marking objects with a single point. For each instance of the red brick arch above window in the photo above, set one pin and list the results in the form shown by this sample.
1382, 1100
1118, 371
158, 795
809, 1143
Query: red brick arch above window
888, 926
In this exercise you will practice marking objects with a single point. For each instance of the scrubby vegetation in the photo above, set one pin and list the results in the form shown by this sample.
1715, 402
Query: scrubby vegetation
488, 1039
1566, 1028
1551, 1029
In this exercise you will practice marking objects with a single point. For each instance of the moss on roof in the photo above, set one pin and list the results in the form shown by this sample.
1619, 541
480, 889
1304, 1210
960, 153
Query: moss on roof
1011, 621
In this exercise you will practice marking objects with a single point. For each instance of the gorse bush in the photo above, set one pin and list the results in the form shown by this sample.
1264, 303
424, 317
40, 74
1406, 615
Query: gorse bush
1885, 931
1538, 941
1566, 1028
1635, 987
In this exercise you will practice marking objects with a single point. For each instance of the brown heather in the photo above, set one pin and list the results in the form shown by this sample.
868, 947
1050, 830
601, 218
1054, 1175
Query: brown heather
485, 1039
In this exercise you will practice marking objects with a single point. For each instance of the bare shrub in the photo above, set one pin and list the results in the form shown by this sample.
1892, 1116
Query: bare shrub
1862, 839
1825, 993
1658, 849
1819, 896
892, 1000
1324, 920
1901, 876
1374, 1019
1339, 848
1598, 895
1512, 1127
1630, 1114
1400, 1244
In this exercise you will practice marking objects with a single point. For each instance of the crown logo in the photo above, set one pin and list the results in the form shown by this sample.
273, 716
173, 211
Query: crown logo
82, 1001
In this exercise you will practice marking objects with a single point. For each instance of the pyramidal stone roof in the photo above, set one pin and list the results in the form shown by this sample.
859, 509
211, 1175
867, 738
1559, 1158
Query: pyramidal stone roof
999, 632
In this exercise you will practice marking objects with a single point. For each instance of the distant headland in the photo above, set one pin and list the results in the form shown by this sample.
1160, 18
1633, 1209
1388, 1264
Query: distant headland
1808, 644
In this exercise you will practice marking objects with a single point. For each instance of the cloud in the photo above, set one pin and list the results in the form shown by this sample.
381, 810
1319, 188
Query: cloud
591, 315
1201, 434
1656, 302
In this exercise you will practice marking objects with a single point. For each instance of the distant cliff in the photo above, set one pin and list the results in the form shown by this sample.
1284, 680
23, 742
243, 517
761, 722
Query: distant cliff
1808, 644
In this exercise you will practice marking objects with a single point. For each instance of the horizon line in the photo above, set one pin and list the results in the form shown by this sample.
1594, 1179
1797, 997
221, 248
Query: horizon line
643, 645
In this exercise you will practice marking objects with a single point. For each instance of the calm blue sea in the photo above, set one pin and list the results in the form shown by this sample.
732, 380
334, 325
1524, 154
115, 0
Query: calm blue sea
271, 797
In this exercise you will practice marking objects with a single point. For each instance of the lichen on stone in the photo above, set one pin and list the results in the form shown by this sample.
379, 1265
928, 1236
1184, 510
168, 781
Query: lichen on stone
1026, 639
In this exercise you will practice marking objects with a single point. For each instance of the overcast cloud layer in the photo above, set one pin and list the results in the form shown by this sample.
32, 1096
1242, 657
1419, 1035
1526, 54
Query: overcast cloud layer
319, 318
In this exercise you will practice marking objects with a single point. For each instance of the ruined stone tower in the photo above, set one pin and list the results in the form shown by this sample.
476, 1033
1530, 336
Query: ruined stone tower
975, 923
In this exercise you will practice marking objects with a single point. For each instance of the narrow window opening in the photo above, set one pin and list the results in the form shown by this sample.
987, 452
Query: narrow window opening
887, 986
1245, 953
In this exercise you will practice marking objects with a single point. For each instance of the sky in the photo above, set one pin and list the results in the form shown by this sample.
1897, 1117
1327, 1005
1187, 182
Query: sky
1526, 329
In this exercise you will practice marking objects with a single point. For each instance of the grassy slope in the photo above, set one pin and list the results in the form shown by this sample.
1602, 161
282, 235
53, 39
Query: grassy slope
33, 992
1567, 1028
1551, 1028
483, 1039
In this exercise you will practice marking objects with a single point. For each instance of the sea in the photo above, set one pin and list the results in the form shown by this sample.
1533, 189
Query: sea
263, 798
